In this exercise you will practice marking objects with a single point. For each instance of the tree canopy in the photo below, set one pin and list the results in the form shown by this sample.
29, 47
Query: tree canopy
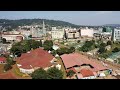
51, 73
48, 45
39, 74
25, 46
54, 73
70, 73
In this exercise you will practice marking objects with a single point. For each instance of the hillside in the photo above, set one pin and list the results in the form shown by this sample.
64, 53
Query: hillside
21, 22
112, 25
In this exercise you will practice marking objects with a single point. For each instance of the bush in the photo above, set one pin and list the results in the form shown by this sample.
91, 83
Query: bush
39, 74
116, 49
70, 73
51, 73
7, 67
78, 41
54, 73
109, 43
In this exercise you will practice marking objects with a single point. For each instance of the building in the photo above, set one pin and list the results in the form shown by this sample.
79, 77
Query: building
57, 33
82, 65
38, 58
13, 37
86, 32
38, 31
73, 35
2, 60
26, 33
116, 34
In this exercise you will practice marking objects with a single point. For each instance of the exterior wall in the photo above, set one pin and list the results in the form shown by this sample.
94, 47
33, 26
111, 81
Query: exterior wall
57, 34
11, 37
73, 35
87, 32
91, 77
2, 62
27, 71
116, 35
36, 32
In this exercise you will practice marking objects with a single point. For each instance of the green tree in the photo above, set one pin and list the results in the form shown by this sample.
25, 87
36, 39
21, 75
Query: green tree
30, 36
116, 49
54, 73
70, 73
102, 50
7, 67
89, 45
39, 74
3, 40
109, 43
48, 45
102, 44
72, 49
78, 41
10, 61
25, 46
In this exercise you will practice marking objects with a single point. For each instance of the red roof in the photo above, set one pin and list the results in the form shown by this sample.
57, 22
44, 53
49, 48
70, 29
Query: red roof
36, 58
73, 59
2, 59
86, 72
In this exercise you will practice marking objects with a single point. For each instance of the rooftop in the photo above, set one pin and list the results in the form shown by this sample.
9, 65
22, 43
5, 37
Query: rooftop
74, 59
35, 58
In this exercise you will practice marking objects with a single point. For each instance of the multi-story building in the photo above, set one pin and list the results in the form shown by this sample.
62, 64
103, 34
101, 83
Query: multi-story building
57, 33
73, 35
116, 34
13, 37
86, 32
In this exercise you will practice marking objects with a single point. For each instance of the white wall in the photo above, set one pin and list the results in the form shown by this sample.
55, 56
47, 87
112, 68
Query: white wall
87, 32
57, 34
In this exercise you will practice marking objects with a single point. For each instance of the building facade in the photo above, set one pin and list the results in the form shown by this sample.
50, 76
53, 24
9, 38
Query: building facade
57, 33
116, 34
86, 32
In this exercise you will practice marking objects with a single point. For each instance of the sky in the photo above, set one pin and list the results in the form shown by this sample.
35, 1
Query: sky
75, 17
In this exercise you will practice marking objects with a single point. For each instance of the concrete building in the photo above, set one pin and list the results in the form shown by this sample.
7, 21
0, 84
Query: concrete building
73, 35
86, 32
38, 58
57, 33
116, 34
38, 31
13, 37
26, 33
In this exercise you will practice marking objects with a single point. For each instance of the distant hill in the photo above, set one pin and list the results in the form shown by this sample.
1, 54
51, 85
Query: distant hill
21, 22
112, 25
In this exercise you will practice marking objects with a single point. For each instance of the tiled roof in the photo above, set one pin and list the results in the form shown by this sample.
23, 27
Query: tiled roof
2, 59
73, 59
86, 72
36, 58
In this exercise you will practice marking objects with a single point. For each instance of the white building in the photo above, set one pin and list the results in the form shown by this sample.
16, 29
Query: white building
86, 32
25, 32
57, 33
116, 34
11, 37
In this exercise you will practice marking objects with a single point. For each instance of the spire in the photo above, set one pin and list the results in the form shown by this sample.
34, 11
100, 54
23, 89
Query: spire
44, 31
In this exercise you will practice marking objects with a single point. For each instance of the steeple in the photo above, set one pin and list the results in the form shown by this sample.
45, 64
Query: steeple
44, 30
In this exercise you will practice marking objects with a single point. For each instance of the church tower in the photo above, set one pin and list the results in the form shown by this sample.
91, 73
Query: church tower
44, 30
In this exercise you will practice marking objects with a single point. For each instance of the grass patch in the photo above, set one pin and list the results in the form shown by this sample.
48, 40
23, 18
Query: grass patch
17, 71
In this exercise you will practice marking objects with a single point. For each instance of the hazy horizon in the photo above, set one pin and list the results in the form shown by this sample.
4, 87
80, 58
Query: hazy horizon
92, 18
